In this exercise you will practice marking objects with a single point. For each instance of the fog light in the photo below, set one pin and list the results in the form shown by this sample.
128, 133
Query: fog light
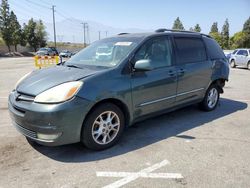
48, 136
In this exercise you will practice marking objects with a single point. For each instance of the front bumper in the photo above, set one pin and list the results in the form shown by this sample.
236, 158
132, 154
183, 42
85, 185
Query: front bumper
49, 124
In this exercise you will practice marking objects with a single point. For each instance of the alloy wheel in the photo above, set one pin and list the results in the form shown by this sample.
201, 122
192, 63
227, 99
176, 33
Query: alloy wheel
212, 98
105, 127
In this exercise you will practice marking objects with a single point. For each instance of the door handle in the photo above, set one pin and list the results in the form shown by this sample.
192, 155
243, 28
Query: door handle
171, 73
181, 72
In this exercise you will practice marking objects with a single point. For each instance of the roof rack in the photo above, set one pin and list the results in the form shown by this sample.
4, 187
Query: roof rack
162, 30
123, 33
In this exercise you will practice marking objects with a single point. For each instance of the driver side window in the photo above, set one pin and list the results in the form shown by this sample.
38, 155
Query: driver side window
158, 51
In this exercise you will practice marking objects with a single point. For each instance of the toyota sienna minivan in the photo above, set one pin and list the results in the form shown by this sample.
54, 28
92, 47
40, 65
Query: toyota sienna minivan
92, 98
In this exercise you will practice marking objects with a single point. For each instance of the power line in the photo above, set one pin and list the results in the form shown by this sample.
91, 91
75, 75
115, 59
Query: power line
45, 2
27, 9
38, 4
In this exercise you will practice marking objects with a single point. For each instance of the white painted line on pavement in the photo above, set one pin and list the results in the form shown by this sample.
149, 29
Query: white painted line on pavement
140, 174
145, 173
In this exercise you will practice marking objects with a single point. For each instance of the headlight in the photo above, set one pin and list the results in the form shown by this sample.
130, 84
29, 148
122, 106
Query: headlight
21, 79
59, 93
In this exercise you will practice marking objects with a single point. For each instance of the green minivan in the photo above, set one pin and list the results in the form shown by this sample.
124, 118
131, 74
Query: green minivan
94, 95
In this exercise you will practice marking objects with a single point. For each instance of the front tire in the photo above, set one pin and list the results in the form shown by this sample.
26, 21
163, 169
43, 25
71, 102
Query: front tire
248, 65
103, 127
232, 64
211, 98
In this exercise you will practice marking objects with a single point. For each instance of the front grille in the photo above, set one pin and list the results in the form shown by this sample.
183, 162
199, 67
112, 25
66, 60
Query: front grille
25, 131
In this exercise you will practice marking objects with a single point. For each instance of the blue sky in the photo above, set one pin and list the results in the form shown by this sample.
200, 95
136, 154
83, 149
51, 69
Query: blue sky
142, 14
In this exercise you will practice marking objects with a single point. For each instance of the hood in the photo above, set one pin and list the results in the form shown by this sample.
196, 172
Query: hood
41, 80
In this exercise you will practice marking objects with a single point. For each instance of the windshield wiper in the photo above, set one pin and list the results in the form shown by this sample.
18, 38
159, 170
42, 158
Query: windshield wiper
74, 66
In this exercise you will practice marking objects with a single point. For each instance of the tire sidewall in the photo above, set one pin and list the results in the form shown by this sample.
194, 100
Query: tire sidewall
87, 138
232, 64
205, 103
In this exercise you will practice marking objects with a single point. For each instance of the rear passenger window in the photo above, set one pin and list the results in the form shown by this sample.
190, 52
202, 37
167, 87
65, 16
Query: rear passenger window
190, 50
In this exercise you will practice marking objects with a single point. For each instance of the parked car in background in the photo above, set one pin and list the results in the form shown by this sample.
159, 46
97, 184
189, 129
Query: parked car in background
65, 53
50, 51
91, 101
74, 53
228, 54
45, 51
240, 57
54, 50
104, 53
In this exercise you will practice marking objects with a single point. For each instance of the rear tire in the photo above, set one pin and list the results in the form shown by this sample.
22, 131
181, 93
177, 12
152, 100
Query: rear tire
211, 98
232, 63
103, 127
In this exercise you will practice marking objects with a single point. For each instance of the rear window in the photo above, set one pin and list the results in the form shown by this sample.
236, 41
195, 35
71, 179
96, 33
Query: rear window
190, 50
213, 48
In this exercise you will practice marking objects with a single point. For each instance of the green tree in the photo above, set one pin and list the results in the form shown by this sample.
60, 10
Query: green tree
30, 33
191, 29
5, 28
41, 34
197, 28
225, 35
35, 34
214, 32
16, 30
217, 37
238, 40
214, 28
23, 38
178, 24
246, 30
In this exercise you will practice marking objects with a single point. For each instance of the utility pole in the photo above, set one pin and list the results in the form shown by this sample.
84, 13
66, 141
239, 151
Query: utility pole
85, 25
99, 35
54, 24
88, 37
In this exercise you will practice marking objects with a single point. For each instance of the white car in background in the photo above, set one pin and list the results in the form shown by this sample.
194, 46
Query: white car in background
65, 53
103, 53
240, 57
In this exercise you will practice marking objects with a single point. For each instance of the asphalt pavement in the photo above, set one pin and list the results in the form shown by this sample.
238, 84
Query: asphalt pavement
184, 148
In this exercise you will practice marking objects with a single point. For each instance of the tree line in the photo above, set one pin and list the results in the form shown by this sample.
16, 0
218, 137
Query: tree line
14, 34
34, 34
240, 39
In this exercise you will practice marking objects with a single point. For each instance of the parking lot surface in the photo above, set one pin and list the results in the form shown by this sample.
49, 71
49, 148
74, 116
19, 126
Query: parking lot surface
185, 148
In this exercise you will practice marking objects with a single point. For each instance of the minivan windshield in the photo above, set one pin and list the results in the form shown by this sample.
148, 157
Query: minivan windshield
105, 53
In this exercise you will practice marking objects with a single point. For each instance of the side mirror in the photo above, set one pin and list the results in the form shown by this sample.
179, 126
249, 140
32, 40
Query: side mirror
143, 65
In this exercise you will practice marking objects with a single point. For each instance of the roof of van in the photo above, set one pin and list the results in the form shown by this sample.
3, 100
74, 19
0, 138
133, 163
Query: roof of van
163, 32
